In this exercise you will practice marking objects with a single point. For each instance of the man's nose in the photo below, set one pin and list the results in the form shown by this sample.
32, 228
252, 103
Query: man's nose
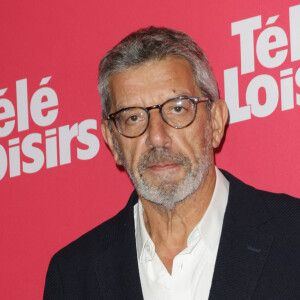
157, 131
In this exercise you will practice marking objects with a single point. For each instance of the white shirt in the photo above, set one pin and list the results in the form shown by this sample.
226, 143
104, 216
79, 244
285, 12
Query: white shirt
194, 266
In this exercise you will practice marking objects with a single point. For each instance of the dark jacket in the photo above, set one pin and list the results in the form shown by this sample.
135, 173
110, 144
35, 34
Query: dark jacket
258, 256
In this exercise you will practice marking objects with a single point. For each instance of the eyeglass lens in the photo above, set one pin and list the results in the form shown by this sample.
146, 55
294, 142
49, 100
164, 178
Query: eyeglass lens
177, 113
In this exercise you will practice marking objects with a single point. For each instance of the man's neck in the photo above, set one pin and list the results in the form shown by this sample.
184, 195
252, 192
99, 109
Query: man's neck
169, 230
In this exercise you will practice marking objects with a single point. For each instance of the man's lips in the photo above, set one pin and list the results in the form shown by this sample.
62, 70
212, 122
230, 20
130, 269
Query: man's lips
163, 166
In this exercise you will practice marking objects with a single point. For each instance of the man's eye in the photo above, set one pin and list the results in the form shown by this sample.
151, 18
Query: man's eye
177, 109
133, 119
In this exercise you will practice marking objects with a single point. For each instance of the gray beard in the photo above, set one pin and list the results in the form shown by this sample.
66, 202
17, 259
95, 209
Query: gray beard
167, 193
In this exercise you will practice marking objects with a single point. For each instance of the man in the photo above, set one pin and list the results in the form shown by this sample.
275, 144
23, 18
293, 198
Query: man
189, 231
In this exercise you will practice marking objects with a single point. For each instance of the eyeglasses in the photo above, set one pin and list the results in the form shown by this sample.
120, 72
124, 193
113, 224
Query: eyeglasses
177, 112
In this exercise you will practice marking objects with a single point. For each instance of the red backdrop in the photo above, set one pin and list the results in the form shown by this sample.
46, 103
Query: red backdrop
58, 179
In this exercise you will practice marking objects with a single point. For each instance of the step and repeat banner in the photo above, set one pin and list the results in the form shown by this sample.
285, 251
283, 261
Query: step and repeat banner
57, 176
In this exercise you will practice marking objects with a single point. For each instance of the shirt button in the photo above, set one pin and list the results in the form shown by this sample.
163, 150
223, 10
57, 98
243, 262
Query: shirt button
148, 247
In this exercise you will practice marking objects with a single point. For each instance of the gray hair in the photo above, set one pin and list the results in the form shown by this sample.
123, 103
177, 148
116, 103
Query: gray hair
155, 43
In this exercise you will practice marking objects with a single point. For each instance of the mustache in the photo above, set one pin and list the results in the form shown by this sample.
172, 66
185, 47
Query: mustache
162, 155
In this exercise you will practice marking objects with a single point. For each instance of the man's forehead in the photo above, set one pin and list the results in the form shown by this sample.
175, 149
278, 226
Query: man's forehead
169, 77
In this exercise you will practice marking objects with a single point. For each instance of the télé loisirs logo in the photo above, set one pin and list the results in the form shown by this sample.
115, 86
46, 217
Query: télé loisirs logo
51, 148
268, 46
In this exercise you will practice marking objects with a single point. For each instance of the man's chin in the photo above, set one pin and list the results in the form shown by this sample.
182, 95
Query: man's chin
164, 177
163, 184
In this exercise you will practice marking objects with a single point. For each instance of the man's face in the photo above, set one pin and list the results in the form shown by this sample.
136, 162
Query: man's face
165, 164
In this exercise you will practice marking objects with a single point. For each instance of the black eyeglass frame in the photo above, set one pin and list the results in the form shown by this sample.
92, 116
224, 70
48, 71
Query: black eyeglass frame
196, 100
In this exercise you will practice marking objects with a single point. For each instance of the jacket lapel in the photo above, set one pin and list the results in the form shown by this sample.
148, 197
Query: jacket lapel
244, 246
117, 268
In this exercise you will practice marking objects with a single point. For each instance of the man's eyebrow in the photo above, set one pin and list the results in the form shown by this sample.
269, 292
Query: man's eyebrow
120, 107
126, 106
176, 95
183, 95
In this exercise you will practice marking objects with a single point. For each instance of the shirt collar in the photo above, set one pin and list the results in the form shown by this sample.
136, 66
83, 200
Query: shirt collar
144, 245
209, 227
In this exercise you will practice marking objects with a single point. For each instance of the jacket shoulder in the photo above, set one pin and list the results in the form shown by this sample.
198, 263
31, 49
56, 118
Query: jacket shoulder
284, 209
100, 238
70, 267
266, 195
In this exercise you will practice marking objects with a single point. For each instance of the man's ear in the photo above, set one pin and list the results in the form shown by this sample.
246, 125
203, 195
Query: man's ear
107, 135
219, 117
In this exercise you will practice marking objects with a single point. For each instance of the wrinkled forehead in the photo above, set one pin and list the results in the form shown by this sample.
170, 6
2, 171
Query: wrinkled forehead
152, 81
